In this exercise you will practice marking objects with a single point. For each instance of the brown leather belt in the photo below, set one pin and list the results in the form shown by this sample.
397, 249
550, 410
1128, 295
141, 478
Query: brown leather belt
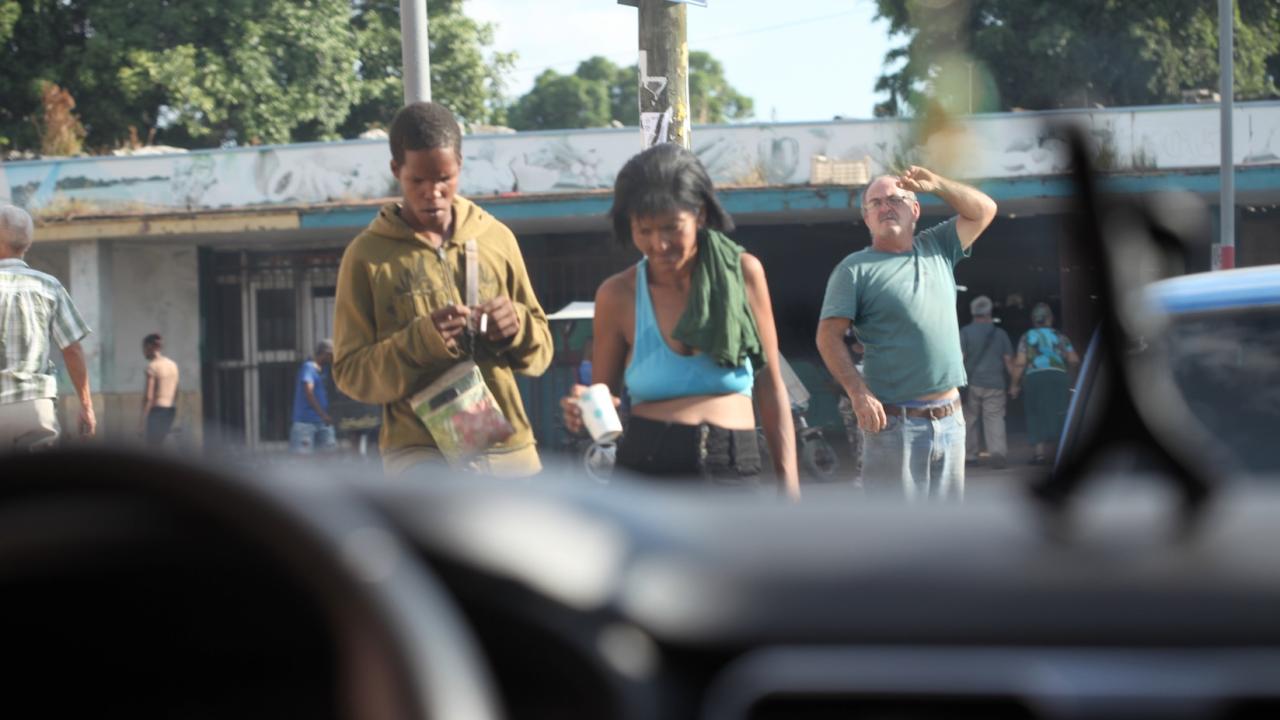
933, 413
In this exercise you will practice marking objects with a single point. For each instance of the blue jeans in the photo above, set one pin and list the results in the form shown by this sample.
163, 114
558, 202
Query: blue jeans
305, 438
921, 458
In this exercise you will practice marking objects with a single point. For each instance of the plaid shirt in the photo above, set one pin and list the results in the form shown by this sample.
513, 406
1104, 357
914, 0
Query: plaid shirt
34, 309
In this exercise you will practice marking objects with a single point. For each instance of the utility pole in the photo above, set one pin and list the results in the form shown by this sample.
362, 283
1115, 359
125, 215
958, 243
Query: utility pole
415, 53
1224, 252
664, 71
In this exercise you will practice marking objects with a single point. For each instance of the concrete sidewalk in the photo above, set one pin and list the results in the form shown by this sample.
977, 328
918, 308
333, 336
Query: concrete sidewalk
1017, 470
979, 475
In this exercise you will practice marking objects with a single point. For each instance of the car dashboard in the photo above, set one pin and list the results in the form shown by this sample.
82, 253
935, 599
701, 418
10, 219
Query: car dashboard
155, 589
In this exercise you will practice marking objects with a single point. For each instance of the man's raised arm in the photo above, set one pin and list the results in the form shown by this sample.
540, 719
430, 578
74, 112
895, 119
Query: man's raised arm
975, 208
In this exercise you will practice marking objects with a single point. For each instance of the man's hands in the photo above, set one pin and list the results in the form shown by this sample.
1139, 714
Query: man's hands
503, 321
975, 208
450, 322
870, 412
920, 180
496, 320
88, 422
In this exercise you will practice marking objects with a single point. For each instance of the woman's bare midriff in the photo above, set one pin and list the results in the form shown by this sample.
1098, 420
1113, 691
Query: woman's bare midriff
733, 412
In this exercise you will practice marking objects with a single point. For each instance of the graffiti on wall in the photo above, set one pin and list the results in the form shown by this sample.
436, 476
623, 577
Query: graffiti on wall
985, 146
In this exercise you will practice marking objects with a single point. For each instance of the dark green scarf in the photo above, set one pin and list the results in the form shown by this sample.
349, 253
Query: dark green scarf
718, 320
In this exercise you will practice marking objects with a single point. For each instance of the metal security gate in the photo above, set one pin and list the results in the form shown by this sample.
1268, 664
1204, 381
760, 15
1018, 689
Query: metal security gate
266, 312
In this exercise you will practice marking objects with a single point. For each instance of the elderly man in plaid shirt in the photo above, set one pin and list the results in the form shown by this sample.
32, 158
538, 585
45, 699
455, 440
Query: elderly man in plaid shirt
35, 310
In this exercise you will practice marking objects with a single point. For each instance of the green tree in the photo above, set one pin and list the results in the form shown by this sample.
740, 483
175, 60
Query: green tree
561, 101
623, 99
198, 74
289, 74
599, 92
711, 97
620, 84
1002, 54
10, 11
466, 76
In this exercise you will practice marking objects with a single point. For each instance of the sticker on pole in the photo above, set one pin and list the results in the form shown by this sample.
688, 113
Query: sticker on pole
655, 127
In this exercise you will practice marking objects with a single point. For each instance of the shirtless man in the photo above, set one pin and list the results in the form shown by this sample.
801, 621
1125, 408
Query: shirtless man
158, 402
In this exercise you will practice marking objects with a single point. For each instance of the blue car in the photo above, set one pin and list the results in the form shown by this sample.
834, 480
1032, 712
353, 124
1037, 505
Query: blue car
1221, 337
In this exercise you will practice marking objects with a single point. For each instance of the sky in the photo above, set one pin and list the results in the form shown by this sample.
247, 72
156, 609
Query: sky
799, 60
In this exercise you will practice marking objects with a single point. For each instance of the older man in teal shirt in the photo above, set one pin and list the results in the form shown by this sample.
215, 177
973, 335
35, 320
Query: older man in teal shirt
900, 295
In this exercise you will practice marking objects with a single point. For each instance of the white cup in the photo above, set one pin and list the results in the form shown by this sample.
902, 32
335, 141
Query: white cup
599, 414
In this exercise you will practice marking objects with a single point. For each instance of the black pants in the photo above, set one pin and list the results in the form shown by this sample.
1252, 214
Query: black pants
159, 422
705, 452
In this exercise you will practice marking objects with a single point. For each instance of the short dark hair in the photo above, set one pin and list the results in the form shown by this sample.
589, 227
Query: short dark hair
152, 340
664, 178
424, 126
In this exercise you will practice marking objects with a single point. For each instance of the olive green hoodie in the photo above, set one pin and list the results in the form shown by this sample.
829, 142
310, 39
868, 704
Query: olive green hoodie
385, 346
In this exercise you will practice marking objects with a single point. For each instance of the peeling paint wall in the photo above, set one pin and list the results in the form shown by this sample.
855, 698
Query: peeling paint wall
52, 259
144, 288
155, 288
985, 146
119, 413
152, 288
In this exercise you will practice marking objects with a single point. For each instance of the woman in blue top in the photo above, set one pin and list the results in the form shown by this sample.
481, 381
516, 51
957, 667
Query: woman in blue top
1044, 357
689, 331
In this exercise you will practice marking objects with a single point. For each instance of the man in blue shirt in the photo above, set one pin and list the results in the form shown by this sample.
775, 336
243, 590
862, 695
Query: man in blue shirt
312, 427
900, 295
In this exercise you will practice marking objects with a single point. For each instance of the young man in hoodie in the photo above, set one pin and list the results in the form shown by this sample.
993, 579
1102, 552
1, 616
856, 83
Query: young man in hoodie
401, 317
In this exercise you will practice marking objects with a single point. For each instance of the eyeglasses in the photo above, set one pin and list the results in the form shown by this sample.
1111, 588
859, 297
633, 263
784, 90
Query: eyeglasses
894, 200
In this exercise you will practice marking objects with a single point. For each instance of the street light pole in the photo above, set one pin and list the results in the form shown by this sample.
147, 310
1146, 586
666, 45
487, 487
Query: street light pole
415, 53
1224, 255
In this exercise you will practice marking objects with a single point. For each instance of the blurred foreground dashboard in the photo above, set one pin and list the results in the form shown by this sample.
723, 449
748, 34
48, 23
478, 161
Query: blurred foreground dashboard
138, 587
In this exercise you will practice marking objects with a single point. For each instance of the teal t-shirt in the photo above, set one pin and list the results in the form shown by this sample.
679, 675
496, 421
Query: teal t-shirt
904, 308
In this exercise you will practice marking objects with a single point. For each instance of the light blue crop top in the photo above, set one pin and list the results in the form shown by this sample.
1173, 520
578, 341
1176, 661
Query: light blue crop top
657, 372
